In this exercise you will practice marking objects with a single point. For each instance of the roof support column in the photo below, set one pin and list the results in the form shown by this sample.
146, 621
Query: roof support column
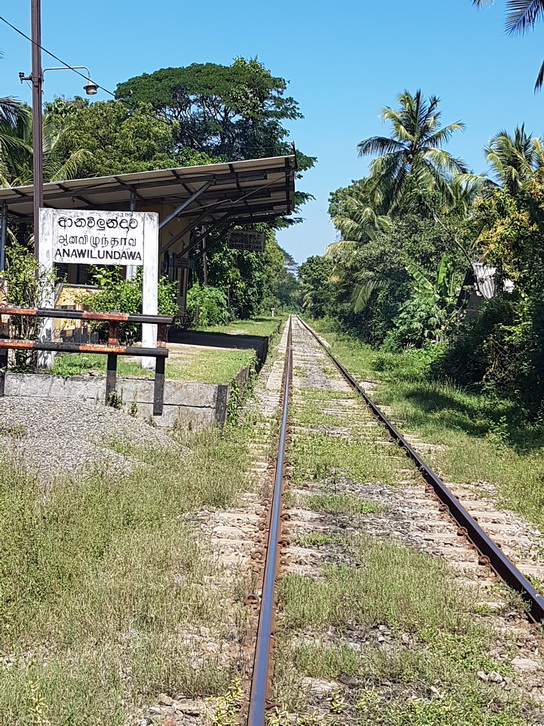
3, 235
132, 269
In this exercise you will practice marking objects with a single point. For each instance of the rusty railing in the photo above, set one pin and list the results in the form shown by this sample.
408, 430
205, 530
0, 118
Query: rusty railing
112, 348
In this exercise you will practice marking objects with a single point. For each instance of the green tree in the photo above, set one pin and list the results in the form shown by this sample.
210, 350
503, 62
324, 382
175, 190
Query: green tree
503, 348
235, 112
515, 159
286, 286
521, 16
358, 212
248, 279
120, 140
431, 310
15, 124
58, 163
413, 155
315, 277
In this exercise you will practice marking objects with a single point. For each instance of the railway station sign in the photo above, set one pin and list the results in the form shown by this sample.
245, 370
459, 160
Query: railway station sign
85, 237
246, 239
101, 237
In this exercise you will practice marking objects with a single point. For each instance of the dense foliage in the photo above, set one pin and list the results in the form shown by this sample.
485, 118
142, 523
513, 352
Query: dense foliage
413, 237
125, 296
193, 115
208, 305
235, 111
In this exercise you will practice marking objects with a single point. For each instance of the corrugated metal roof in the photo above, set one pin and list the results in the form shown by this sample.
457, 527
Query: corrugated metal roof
485, 281
250, 190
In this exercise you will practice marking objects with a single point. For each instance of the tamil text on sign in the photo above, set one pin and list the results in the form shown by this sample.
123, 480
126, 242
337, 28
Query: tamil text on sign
97, 237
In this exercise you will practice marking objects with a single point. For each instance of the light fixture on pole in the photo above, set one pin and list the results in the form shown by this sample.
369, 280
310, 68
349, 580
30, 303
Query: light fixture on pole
90, 88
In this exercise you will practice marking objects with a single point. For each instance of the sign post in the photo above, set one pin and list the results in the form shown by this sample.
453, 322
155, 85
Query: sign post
99, 237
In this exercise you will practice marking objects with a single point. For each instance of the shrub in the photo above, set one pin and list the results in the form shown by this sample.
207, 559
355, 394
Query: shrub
482, 350
125, 296
26, 285
211, 304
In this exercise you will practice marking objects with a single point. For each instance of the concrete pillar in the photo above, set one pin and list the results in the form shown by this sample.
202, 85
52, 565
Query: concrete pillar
150, 283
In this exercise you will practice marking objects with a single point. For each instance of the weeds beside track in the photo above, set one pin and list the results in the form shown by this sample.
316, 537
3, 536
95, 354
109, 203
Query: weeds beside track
371, 631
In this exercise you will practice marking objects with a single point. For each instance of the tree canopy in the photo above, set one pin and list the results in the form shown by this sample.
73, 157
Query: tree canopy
235, 112
414, 150
120, 140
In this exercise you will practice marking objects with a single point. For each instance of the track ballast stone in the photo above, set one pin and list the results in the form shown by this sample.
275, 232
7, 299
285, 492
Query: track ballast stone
408, 516
54, 439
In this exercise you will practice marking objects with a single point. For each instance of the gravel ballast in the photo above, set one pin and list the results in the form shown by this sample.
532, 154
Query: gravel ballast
57, 438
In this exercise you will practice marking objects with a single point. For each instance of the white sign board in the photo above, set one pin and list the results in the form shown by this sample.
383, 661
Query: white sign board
99, 237
246, 239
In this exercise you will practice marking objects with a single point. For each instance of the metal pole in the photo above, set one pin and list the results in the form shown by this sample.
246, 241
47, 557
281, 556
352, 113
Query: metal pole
185, 204
204, 263
132, 269
3, 234
37, 86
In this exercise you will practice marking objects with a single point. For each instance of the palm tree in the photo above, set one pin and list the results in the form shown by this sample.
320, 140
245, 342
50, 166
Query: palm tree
515, 159
414, 150
16, 151
521, 16
15, 126
359, 213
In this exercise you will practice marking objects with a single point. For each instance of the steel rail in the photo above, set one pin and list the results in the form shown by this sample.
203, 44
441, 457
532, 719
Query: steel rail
261, 680
491, 553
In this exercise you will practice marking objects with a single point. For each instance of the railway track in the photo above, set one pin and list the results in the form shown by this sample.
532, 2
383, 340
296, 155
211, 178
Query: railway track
429, 515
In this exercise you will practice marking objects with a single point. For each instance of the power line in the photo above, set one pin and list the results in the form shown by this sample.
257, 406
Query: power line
66, 65
155, 116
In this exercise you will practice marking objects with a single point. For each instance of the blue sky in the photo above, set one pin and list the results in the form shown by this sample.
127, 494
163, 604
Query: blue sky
343, 60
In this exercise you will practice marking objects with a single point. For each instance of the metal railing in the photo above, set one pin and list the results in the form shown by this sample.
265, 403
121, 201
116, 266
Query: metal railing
112, 348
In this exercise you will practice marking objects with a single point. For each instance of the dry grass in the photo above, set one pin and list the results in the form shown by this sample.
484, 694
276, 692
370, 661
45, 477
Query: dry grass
105, 588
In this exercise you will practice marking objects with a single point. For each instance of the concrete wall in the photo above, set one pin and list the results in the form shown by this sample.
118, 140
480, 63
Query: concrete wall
186, 402
200, 404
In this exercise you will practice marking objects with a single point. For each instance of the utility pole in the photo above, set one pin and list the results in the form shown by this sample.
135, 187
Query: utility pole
37, 143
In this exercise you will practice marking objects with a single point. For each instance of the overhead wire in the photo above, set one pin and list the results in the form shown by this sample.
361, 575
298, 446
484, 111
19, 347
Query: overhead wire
66, 65
155, 117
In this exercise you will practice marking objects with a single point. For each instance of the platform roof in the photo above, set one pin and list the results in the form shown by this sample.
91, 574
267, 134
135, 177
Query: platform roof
248, 191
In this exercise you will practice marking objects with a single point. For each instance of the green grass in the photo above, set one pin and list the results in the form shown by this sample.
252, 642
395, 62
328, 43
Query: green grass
263, 326
320, 457
102, 579
388, 617
486, 438
318, 539
205, 366
434, 641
